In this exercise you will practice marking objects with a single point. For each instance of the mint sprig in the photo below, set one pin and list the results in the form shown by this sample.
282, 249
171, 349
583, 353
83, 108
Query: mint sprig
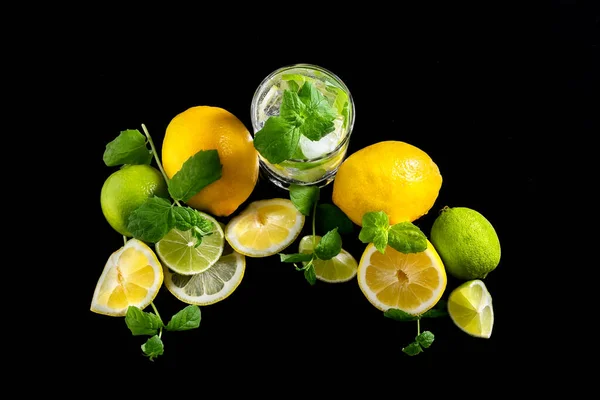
130, 147
303, 113
404, 237
423, 339
144, 323
330, 245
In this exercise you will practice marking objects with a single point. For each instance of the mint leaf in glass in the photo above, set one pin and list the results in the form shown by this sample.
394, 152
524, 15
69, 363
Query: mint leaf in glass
318, 113
277, 140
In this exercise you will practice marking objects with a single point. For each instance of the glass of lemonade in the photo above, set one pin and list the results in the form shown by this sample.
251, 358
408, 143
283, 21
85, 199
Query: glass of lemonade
312, 116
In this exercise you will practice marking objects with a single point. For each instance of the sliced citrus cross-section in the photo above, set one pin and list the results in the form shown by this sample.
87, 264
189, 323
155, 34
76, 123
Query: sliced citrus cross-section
340, 268
470, 308
412, 282
212, 285
264, 227
177, 249
132, 276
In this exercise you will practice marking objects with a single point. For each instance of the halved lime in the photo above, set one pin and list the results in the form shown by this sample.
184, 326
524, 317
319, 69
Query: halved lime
177, 249
212, 285
340, 268
470, 308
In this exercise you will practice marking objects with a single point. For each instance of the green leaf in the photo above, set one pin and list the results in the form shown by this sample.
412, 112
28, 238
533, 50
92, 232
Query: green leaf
304, 197
330, 216
152, 220
186, 319
399, 315
318, 113
439, 310
127, 148
277, 140
310, 275
185, 218
294, 258
412, 349
294, 87
407, 238
153, 347
329, 246
197, 172
425, 339
142, 323
375, 227
292, 109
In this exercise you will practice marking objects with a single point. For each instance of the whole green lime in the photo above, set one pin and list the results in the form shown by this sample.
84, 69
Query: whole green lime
467, 243
126, 189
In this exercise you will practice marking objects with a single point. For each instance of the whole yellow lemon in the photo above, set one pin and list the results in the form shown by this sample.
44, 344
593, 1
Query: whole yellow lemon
391, 176
206, 128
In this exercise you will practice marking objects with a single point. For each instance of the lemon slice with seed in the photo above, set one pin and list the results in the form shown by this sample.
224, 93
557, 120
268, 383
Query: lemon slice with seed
470, 308
212, 285
412, 282
132, 276
177, 249
264, 227
340, 268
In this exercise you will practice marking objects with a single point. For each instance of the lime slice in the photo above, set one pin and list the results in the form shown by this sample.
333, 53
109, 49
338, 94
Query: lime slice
340, 268
212, 285
470, 307
177, 250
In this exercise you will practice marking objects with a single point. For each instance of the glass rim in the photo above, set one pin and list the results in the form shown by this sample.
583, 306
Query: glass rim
350, 126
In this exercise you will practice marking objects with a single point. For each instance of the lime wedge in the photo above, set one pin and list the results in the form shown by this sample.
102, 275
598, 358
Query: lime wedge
470, 308
340, 268
177, 249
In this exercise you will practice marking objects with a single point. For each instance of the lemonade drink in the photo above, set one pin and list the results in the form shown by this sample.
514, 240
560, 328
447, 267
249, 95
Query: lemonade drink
312, 161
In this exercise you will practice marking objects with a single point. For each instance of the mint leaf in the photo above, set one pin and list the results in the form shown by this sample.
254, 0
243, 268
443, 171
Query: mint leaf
277, 140
375, 226
187, 318
399, 315
292, 109
329, 216
329, 246
304, 197
127, 148
296, 257
412, 349
407, 238
152, 220
197, 172
318, 113
142, 323
310, 275
153, 347
439, 310
294, 87
185, 218
425, 339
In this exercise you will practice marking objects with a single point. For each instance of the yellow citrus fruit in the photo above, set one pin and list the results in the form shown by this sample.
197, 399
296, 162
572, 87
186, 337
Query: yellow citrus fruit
391, 176
213, 128
470, 308
132, 276
264, 227
412, 282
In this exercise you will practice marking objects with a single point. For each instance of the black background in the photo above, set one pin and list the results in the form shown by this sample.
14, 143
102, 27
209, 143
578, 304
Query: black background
481, 90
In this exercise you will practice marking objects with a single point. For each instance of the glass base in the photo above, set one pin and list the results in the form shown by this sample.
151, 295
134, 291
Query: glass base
285, 183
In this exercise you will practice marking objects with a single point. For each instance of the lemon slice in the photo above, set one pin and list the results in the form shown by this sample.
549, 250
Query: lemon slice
132, 276
177, 249
212, 285
411, 282
340, 268
470, 307
264, 227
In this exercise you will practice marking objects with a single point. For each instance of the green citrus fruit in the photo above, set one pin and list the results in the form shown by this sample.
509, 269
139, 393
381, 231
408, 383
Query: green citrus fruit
126, 189
467, 243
